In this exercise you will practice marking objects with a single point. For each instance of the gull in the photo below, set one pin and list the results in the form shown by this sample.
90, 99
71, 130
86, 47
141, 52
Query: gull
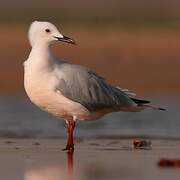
69, 91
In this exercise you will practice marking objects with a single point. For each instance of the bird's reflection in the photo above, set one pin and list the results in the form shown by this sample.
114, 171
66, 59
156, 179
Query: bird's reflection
70, 163
38, 170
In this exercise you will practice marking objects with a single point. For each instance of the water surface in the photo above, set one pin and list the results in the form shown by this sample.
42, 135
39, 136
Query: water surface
20, 118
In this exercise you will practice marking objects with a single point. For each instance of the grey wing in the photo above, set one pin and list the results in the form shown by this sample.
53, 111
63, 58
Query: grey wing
89, 89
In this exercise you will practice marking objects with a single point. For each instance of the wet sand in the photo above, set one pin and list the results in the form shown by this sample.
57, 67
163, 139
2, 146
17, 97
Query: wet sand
93, 159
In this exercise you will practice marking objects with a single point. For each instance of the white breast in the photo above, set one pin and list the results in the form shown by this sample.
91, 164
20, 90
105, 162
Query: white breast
38, 86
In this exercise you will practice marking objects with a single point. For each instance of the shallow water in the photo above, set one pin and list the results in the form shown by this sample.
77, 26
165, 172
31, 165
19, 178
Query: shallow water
22, 160
101, 152
19, 118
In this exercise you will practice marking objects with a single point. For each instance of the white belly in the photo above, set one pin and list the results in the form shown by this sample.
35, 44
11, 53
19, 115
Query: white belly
39, 90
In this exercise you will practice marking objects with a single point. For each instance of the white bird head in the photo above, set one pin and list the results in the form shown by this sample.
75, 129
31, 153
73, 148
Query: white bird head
46, 32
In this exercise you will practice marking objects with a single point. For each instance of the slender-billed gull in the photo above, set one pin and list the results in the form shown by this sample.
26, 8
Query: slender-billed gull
69, 91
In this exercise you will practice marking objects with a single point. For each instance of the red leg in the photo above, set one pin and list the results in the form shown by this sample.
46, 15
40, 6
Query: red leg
70, 129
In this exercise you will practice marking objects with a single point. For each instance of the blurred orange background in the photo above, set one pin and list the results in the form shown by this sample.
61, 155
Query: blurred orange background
133, 45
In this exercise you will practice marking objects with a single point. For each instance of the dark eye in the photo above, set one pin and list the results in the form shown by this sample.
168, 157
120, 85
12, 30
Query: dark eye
47, 30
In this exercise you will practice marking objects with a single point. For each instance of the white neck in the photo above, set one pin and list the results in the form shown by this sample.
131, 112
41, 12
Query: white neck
40, 49
41, 56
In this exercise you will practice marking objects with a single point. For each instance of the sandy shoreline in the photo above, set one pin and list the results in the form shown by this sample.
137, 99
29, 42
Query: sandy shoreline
93, 159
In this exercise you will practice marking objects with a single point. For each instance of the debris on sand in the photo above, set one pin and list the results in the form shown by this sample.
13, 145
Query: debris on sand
9, 142
36, 144
169, 163
142, 144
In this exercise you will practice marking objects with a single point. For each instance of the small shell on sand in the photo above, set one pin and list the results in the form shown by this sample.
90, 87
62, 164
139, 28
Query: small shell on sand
142, 144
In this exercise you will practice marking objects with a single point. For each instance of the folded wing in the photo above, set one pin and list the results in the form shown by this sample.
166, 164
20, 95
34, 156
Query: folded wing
89, 89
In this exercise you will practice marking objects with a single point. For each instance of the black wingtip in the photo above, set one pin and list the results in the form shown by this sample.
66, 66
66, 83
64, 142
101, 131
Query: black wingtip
140, 101
162, 109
